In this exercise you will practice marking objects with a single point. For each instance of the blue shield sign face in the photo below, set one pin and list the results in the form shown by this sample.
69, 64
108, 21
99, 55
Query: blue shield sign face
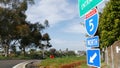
93, 57
92, 24
92, 41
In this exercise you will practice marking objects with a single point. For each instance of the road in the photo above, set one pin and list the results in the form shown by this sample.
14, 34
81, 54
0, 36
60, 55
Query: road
9, 63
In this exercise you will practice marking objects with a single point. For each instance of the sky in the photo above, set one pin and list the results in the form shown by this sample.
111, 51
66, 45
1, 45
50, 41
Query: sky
65, 28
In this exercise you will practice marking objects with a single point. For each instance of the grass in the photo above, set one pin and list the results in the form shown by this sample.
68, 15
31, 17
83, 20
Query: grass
104, 65
57, 62
84, 66
3, 58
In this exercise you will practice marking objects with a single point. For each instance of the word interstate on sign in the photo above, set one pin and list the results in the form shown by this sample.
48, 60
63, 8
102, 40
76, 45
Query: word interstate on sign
86, 3
91, 13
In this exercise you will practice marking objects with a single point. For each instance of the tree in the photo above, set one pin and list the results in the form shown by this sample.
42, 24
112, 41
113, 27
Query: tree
15, 29
13, 47
46, 39
52, 51
109, 22
46, 23
46, 44
12, 13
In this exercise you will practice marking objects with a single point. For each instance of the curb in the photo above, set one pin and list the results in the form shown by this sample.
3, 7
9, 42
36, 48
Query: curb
33, 64
22, 65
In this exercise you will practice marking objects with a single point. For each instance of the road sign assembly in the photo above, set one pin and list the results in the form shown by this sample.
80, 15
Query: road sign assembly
93, 57
91, 24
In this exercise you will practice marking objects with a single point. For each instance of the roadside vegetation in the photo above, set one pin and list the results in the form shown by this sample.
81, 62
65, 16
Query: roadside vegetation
33, 54
68, 62
64, 62
109, 26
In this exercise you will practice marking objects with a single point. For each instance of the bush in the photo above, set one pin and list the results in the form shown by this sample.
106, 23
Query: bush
3, 58
70, 53
36, 56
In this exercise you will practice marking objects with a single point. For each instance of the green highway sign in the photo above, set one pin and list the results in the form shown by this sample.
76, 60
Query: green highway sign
87, 5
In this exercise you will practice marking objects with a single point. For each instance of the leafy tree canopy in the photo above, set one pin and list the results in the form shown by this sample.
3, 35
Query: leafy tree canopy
15, 28
109, 24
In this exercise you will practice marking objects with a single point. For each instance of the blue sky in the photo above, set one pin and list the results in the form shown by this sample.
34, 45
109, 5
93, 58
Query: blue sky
65, 29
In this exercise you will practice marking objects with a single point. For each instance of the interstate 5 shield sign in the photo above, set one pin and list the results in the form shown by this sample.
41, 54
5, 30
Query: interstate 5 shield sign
91, 24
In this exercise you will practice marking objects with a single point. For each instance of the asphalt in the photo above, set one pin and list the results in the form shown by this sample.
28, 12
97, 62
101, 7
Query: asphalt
9, 63
33, 64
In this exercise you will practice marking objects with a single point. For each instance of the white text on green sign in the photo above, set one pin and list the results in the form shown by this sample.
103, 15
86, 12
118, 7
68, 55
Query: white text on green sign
86, 5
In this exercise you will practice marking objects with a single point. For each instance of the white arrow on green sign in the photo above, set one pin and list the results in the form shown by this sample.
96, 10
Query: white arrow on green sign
87, 5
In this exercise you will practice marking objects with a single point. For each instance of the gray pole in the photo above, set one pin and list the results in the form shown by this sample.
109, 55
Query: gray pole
107, 56
112, 57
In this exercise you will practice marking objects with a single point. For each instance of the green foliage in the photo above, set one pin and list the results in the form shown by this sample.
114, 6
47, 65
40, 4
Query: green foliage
15, 29
60, 61
11, 17
35, 56
109, 22
56, 53
70, 53
3, 58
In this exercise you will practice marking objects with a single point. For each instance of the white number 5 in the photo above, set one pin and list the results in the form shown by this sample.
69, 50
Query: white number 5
91, 24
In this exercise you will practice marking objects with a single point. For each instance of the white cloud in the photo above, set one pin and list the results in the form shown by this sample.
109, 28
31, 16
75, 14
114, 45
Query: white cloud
71, 45
57, 12
75, 28
54, 11
59, 41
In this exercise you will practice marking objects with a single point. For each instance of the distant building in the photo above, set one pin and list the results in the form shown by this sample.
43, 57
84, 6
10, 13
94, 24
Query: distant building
80, 53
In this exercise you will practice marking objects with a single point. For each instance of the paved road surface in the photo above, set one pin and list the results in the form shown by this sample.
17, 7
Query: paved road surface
9, 63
